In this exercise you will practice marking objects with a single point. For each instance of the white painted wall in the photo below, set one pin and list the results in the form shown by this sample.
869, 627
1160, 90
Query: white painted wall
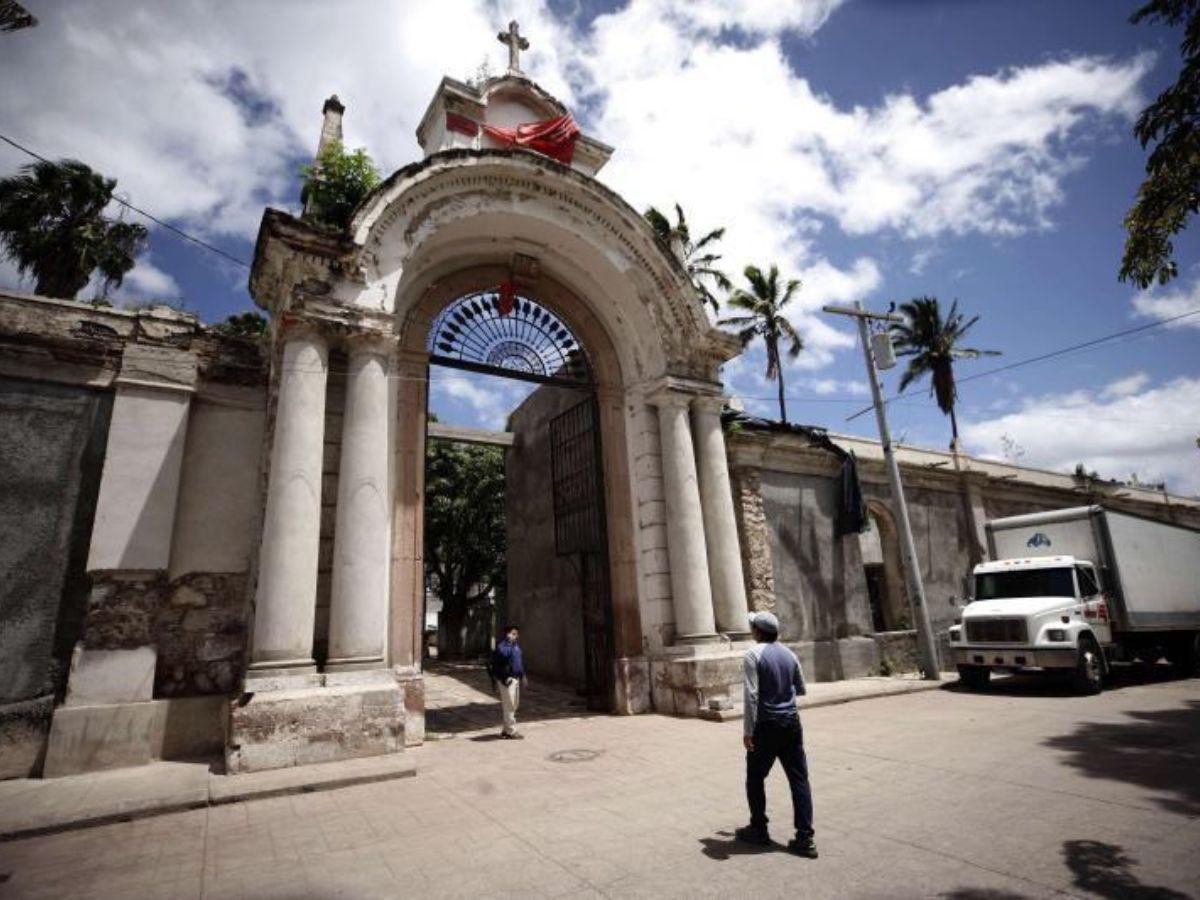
216, 528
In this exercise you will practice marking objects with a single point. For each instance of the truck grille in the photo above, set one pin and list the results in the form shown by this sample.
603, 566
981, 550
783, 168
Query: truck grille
996, 631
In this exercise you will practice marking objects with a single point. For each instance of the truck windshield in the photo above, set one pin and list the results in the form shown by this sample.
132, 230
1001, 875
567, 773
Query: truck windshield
1024, 583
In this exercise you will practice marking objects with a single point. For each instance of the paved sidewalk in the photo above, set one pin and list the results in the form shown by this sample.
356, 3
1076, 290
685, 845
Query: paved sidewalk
33, 806
458, 704
1022, 793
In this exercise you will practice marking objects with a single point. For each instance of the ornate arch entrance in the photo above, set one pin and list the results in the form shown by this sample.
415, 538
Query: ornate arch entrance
451, 233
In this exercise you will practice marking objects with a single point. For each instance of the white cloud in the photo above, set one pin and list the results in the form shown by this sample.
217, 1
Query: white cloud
1125, 387
1127, 427
829, 386
1162, 306
203, 118
490, 400
147, 281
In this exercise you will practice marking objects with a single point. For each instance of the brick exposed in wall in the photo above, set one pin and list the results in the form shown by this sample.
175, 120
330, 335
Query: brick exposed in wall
200, 633
754, 538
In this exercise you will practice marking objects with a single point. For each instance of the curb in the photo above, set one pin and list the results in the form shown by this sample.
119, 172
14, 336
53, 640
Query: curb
225, 789
915, 688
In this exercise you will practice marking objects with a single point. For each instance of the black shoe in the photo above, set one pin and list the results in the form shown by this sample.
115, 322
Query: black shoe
512, 735
803, 846
752, 834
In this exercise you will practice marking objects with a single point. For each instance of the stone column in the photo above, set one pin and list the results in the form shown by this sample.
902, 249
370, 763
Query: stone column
286, 602
690, 589
362, 537
720, 525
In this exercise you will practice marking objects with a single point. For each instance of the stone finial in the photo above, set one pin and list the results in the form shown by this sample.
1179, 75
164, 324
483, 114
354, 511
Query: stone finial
333, 103
331, 127
515, 43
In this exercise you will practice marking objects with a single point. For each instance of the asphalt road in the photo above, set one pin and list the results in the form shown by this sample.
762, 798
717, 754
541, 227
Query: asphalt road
1023, 792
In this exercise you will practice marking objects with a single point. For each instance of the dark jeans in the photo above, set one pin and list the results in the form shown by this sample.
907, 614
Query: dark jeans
785, 742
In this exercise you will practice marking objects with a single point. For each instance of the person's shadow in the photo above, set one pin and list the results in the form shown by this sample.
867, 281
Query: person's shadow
715, 848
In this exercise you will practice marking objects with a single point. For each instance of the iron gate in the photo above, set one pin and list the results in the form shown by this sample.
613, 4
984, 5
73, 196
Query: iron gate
580, 535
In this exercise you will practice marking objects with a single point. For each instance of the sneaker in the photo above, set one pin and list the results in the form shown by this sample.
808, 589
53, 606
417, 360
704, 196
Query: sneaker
752, 834
512, 735
803, 846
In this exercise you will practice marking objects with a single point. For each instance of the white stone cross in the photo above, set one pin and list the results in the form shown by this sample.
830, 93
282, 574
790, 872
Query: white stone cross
515, 43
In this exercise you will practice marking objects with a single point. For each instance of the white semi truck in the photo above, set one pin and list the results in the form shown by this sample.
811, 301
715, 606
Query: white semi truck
1076, 590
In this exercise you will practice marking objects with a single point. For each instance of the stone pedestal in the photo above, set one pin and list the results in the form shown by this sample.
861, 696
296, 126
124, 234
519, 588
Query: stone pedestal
720, 524
286, 602
282, 728
690, 590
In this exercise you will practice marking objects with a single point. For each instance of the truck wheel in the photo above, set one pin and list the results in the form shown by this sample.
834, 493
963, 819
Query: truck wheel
1088, 677
1184, 655
974, 678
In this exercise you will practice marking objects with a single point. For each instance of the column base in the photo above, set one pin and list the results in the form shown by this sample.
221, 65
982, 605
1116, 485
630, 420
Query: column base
736, 636
354, 663
700, 638
706, 685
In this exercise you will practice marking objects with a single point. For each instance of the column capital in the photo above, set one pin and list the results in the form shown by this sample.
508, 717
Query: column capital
291, 327
709, 403
371, 343
666, 398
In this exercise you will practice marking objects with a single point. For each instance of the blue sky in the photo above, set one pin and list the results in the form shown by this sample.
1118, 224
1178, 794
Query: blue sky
877, 149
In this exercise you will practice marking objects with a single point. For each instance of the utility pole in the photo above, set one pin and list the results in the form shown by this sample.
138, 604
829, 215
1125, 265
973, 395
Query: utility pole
908, 549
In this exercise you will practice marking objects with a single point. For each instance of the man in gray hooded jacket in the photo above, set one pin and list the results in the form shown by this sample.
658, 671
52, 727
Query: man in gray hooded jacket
772, 732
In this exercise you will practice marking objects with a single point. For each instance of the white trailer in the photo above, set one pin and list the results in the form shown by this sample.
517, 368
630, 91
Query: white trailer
1079, 589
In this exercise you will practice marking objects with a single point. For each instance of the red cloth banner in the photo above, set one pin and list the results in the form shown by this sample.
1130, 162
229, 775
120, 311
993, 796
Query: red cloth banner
461, 124
554, 138
508, 298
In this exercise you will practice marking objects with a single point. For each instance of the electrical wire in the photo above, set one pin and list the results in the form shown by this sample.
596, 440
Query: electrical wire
141, 212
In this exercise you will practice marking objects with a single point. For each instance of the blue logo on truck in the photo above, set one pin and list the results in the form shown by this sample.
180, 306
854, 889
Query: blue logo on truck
1038, 540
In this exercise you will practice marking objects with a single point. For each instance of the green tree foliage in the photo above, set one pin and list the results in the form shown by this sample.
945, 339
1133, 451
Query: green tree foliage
464, 531
932, 344
336, 184
764, 318
247, 324
52, 225
1170, 194
697, 257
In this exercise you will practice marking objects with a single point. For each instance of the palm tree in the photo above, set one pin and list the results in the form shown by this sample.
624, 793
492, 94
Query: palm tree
933, 344
764, 305
697, 258
52, 225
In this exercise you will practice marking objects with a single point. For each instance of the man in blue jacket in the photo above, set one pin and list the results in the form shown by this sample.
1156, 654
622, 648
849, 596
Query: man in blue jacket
772, 732
508, 671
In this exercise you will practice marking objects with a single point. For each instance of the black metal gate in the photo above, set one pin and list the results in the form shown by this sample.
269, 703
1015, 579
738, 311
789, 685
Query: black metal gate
580, 535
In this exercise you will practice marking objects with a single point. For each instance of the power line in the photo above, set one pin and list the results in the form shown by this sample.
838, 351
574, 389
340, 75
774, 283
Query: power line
141, 212
1084, 345
1055, 353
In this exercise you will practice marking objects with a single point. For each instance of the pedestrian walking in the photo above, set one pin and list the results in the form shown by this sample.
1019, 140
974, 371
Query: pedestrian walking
508, 672
772, 732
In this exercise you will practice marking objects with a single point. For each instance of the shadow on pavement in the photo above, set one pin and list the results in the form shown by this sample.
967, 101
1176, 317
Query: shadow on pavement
1054, 684
981, 894
1158, 749
715, 848
460, 697
1103, 870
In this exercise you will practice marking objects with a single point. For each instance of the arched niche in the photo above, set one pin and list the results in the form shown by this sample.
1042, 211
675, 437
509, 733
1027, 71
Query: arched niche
892, 594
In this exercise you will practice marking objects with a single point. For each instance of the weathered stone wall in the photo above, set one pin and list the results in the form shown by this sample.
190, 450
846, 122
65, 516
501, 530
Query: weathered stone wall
51, 446
543, 594
820, 592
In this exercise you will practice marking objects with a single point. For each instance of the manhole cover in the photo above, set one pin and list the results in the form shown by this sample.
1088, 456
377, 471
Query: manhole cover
574, 756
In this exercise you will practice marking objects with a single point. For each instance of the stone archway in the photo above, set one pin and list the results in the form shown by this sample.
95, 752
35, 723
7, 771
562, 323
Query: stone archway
892, 593
466, 219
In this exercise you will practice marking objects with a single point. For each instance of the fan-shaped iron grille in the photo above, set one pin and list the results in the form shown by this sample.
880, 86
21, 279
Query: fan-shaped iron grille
530, 342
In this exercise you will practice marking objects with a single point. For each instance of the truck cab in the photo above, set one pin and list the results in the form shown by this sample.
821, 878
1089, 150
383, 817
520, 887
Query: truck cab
1044, 612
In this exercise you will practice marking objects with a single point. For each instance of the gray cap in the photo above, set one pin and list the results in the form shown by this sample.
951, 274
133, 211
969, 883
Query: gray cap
764, 622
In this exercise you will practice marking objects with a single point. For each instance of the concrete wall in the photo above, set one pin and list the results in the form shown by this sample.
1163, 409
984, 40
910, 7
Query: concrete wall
543, 590
51, 449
